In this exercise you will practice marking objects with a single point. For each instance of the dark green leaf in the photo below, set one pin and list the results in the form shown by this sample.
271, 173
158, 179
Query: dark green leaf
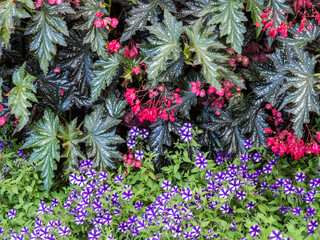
301, 90
142, 13
48, 28
256, 8
77, 58
194, 10
160, 135
45, 146
165, 41
202, 45
102, 140
230, 16
303, 38
71, 138
278, 6
9, 10
173, 71
95, 36
104, 71
115, 106
189, 99
21, 95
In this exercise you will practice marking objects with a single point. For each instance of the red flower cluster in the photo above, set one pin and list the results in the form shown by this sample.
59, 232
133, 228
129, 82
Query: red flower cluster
285, 142
130, 160
276, 116
131, 50
239, 58
159, 103
269, 23
113, 46
106, 22
216, 98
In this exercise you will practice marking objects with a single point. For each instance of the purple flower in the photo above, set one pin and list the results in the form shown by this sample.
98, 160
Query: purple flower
201, 162
139, 155
54, 202
288, 189
94, 234
275, 235
219, 153
127, 195
166, 185
131, 143
73, 178
224, 208
24, 230
257, 157
8, 143
267, 169
227, 156
91, 173
64, 231
312, 225
186, 136
219, 160
296, 211
224, 193
282, 209
241, 195
103, 176
144, 133
138, 205
311, 212
20, 152
111, 237
234, 185
209, 174
247, 145
106, 219
280, 182
250, 206
81, 181
264, 185
122, 227
134, 131
174, 190
118, 179
273, 162
254, 230
11, 213
186, 194
219, 177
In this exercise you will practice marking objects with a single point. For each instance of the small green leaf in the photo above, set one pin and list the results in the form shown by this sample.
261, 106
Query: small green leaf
104, 71
256, 9
48, 28
21, 95
102, 140
71, 138
46, 148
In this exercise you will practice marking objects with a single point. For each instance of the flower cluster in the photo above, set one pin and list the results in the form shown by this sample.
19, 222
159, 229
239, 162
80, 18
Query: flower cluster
131, 50
159, 103
130, 158
285, 142
105, 22
113, 46
239, 58
216, 98
276, 117
274, 27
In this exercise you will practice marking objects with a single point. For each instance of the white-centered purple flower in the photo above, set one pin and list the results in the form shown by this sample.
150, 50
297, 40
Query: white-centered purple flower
275, 235
166, 185
288, 189
312, 225
201, 162
257, 157
118, 179
64, 231
127, 195
106, 219
134, 131
103, 176
224, 193
250, 205
81, 181
267, 169
247, 144
209, 174
131, 143
139, 155
241, 195
186, 194
144, 133
11, 214
94, 234
254, 230
73, 178
296, 211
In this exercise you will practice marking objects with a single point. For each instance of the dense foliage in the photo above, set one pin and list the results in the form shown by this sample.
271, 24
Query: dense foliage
77, 76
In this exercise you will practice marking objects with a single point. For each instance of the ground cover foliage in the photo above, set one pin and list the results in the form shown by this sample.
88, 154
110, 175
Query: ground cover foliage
184, 78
